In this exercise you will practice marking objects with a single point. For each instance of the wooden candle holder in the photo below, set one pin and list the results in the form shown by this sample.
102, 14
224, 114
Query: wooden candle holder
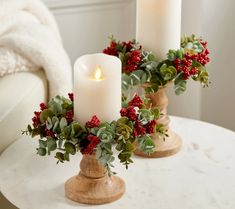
93, 185
172, 144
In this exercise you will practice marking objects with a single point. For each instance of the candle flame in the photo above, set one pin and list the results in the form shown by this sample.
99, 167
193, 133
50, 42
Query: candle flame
98, 73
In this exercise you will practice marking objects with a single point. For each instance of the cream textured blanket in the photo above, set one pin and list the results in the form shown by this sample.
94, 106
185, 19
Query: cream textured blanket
29, 40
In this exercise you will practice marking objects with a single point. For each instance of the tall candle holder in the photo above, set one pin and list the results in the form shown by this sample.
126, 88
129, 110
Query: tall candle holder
142, 68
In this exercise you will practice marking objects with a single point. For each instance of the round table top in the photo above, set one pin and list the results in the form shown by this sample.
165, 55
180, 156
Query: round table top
201, 175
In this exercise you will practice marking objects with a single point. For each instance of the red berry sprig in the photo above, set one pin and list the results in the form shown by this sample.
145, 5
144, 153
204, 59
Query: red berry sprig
129, 112
71, 96
131, 54
203, 56
94, 122
150, 126
186, 65
133, 61
136, 102
43, 106
36, 119
49, 133
69, 116
111, 50
139, 129
93, 142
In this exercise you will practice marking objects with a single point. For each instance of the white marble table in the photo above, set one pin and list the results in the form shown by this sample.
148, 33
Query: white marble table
201, 176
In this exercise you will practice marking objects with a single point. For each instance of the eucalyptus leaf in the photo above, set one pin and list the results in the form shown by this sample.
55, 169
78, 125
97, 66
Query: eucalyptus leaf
123, 120
180, 87
152, 88
56, 125
51, 144
63, 123
168, 73
108, 148
151, 57
60, 157
149, 144
144, 78
49, 124
98, 152
54, 119
156, 112
66, 156
70, 148
55, 105
45, 114
77, 130
179, 54
60, 143
41, 151
42, 143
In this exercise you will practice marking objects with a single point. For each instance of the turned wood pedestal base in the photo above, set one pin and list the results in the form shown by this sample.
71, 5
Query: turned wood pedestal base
92, 185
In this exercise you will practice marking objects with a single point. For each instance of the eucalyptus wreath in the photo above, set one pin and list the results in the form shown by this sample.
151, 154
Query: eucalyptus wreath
58, 132
143, 67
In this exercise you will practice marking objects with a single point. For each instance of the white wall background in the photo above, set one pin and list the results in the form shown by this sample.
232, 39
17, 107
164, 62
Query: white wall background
188, 104
86, 24
218, 102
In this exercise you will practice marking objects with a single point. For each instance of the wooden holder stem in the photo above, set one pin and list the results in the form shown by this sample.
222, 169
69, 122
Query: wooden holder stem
93, 185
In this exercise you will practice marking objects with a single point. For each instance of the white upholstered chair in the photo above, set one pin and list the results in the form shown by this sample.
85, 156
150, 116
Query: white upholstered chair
20, 95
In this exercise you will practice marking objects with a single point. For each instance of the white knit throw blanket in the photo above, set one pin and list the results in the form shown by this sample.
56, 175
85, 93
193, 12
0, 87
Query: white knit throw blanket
30, 40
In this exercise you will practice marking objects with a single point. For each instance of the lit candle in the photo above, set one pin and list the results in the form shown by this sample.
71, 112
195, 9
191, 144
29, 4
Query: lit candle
97, 87
158, 25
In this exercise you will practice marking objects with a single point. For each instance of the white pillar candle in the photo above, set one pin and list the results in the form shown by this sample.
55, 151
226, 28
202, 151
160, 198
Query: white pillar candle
158, 25
97, 87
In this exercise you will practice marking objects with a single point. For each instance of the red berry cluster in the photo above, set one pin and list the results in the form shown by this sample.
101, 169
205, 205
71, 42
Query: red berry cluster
133, 61
69, 116
133, 57
111, 50
94, 122
71, 97
139, 129
130, 112
36, 119
49, 133
186, 64
136, 102
43, 106
128, 45
150, 126
93, 141
203, 56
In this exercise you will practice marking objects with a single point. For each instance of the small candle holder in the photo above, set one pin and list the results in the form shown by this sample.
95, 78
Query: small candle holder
95, 183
